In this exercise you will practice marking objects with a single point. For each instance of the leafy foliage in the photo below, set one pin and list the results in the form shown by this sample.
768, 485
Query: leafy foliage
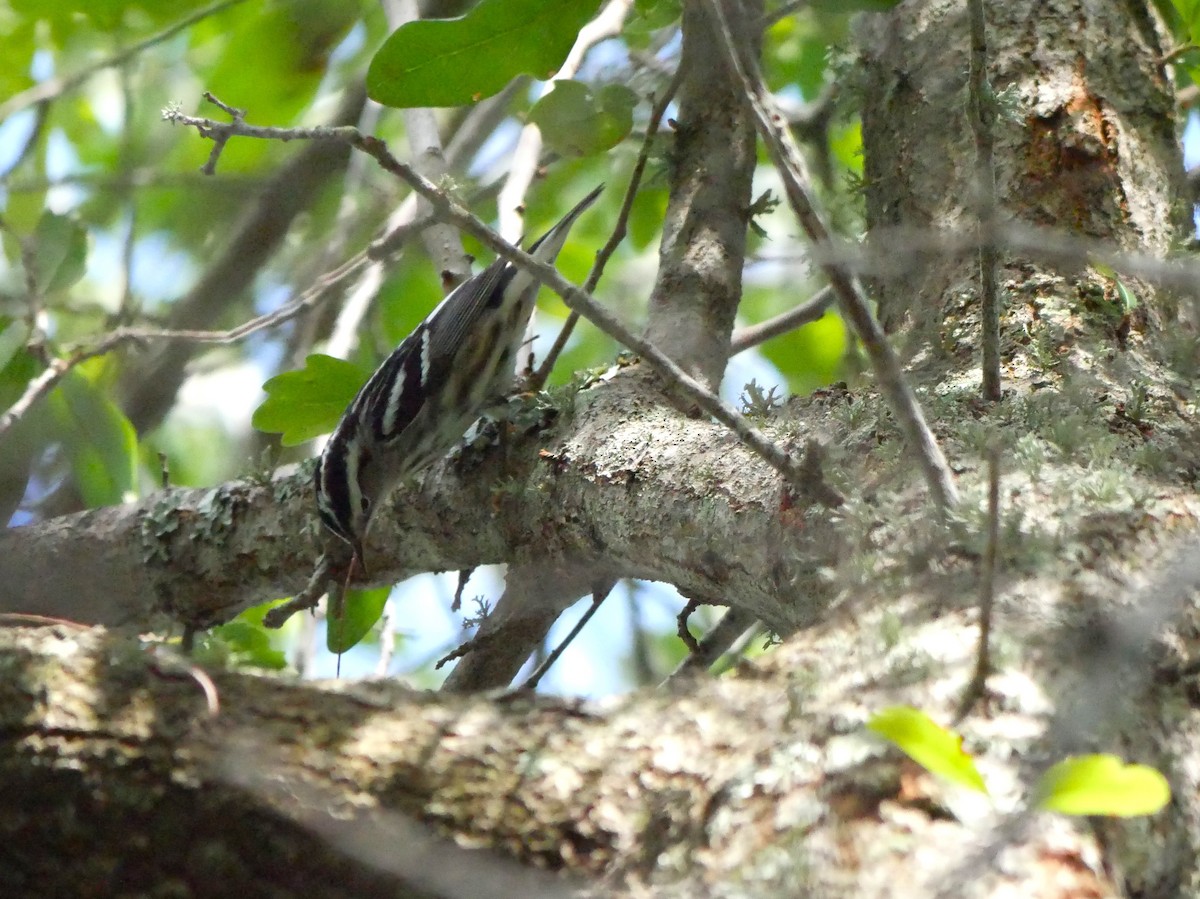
927, 743
578, 122
453, 62
1102, 785
1079, 785
306, 403
359, 613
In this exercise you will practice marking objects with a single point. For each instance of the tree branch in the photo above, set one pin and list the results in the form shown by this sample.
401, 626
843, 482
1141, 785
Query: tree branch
790, 165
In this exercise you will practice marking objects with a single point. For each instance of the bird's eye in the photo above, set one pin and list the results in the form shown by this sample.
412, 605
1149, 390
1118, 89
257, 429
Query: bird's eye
366, 503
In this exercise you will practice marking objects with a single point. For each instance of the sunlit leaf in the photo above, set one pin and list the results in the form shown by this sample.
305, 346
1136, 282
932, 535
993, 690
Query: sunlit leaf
306, 403
1102, 785
454, 62
927, 743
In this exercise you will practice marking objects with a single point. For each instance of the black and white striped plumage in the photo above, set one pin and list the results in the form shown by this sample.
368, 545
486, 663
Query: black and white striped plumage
427, 393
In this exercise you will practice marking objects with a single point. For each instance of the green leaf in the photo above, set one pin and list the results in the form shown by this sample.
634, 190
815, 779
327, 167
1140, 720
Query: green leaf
1189, 15
647, 17
245, 643
306, 403
927, 743
576, 122
60, 252
1102, 785
453, 62
658, 13
99, 440
360, 610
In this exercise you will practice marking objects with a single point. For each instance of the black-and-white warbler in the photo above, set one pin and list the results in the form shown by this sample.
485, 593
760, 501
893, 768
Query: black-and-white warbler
429, 391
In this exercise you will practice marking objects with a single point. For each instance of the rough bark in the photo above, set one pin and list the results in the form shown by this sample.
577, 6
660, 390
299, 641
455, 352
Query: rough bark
699, 281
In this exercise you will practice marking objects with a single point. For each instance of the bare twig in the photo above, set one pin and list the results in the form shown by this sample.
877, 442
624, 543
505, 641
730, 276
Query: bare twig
28, 619
387, 638
783, 12
41, 385
167, 662
729, 631
598, 596
321, 578
324, 286
681, 624
982, 112
809, 311
526, 155
618, 233
127, 156
987, 591
906, 246
32, 141
790, 166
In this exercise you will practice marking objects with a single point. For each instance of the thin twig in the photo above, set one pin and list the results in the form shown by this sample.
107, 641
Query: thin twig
681, 624
982, 112
526, 155
898, 250
387, 638
306, 598
987, 591
40, 386
729, 631
32, 142
167, 662
618, 233
126, 161
29, 619
790, 165
463, 576
319, 291
806, 313
770, 18
598, 596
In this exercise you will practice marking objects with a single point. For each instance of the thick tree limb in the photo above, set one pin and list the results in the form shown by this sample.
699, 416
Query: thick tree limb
203, 555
